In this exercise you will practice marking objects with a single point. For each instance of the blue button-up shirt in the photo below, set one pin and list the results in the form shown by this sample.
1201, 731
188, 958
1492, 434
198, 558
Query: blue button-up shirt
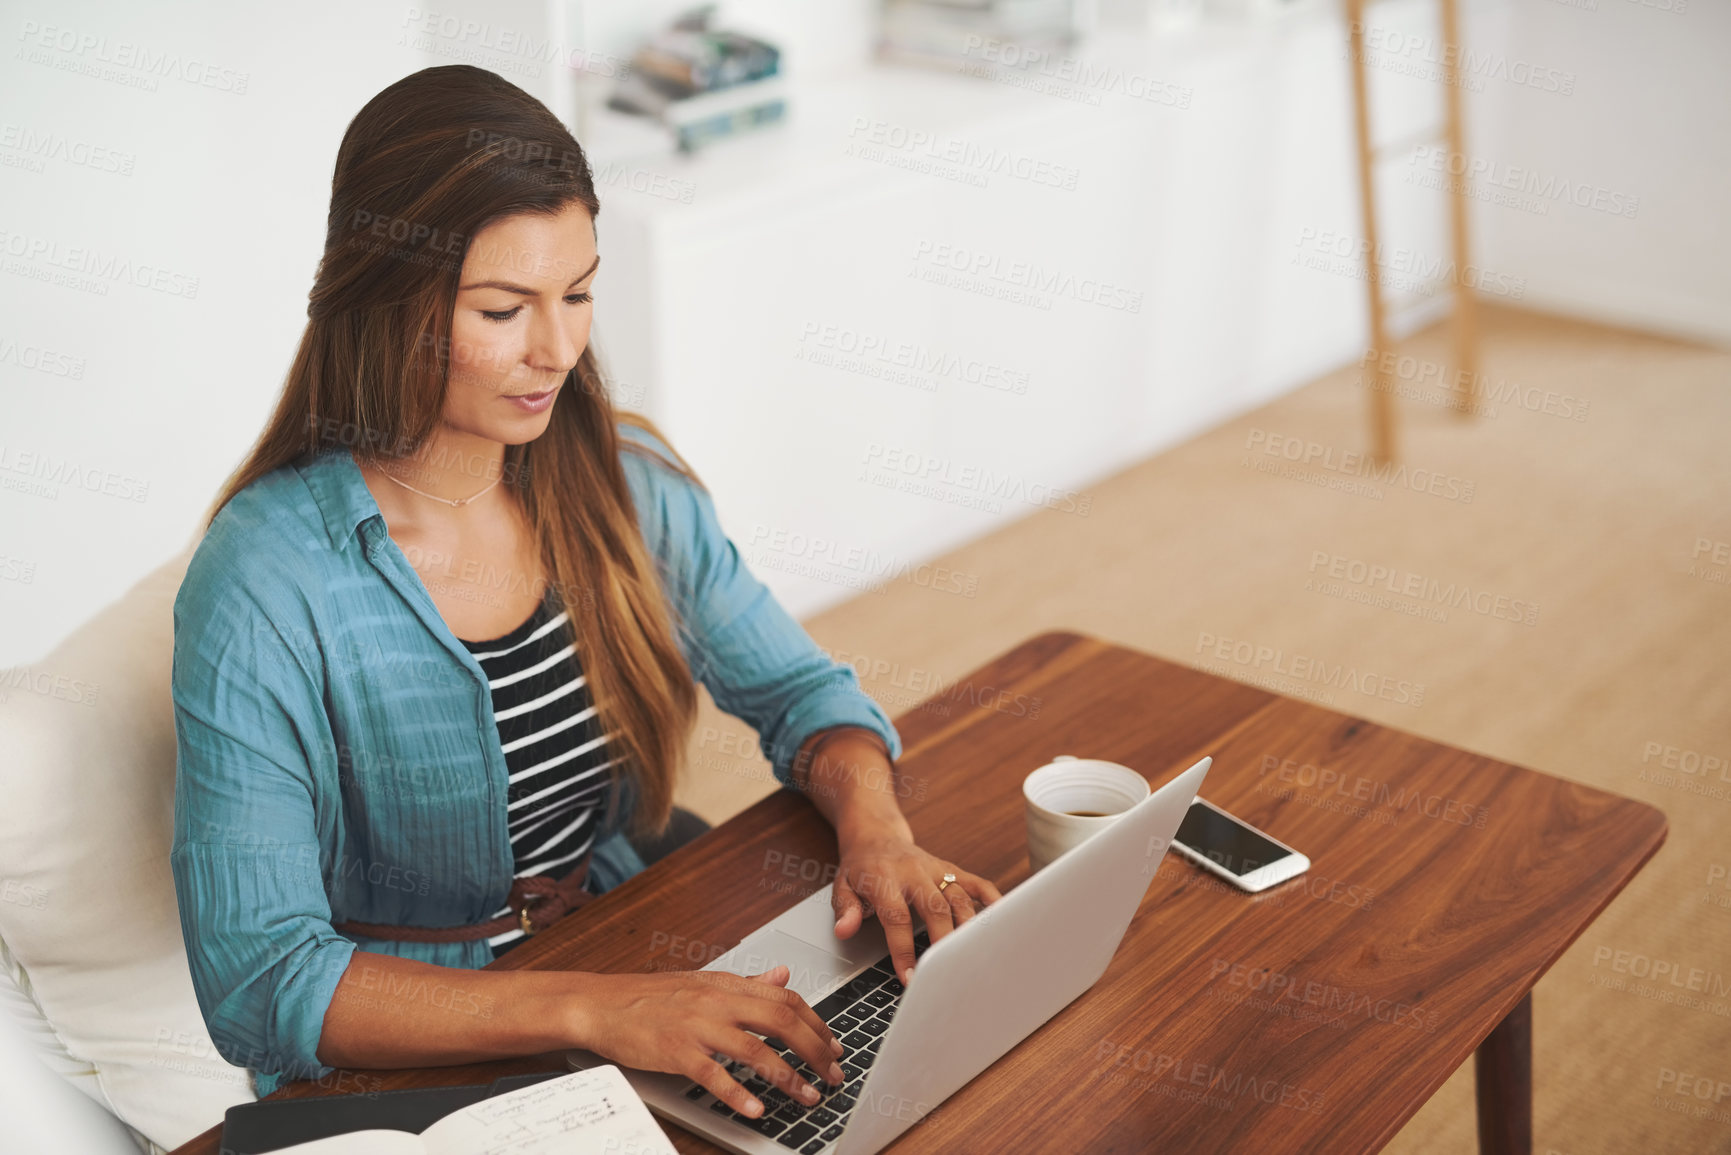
338, 756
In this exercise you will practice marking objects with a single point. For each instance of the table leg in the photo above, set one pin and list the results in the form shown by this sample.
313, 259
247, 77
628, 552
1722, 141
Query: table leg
1503, 1069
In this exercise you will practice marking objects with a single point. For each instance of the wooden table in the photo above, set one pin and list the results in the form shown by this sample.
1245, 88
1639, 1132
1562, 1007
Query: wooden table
1318, 1016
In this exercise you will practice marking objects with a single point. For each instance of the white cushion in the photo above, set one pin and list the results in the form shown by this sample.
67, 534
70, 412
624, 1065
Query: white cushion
87, 907
44, 1113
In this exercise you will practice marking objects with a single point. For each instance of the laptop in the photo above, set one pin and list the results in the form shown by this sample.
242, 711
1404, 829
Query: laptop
974, 995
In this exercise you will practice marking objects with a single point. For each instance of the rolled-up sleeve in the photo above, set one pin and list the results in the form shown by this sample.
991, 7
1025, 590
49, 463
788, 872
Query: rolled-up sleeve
265, 959
757, 662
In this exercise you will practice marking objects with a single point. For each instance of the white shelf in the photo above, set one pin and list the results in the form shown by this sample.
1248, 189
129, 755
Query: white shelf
1196, 201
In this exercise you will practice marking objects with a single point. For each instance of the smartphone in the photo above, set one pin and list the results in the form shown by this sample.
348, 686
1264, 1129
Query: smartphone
1235, 850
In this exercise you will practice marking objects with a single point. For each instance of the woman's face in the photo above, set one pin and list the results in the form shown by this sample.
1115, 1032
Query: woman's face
521, 321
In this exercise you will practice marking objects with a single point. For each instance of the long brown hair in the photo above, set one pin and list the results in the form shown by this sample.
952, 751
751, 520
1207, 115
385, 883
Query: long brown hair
427, 164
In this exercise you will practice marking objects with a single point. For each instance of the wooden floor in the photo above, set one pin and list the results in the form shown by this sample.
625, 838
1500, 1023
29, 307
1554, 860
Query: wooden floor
1622, 679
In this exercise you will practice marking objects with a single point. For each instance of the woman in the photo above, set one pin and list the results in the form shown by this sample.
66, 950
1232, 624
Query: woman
435, 657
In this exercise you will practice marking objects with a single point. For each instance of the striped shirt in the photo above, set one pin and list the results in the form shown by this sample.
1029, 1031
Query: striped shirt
554, 748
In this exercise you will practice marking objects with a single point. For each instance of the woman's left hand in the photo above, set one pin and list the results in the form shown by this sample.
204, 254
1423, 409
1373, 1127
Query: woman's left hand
883, 872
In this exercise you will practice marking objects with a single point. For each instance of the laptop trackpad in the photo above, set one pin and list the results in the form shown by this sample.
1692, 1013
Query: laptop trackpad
813, 921
814, 972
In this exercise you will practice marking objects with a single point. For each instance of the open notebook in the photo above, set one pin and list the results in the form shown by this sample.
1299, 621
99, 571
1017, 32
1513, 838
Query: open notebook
591, 1111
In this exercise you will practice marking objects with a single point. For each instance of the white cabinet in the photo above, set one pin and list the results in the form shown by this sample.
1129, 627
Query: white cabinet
930, 303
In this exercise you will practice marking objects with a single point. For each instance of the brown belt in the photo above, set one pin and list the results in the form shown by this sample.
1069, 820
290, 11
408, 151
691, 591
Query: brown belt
536, 903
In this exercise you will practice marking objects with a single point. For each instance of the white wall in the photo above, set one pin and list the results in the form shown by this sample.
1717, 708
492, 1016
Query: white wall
1648, 121
228, 187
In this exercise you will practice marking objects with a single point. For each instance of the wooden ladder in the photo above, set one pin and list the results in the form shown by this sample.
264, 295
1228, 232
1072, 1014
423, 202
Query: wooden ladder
1465, 321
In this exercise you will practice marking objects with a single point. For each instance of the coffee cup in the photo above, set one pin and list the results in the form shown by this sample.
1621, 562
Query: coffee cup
1070, 799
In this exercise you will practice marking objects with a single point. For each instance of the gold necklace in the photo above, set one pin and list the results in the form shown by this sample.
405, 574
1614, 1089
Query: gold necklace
460, 501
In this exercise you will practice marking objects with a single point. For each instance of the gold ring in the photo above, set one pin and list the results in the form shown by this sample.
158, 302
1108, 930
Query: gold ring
948, 878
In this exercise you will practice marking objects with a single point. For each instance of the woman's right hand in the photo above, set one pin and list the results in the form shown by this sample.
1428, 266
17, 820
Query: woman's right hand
679, 1022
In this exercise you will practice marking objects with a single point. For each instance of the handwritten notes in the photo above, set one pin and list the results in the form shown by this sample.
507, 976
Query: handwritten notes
587, 1113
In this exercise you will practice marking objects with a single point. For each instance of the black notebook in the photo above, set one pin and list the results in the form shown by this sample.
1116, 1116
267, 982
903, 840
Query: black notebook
606, 1106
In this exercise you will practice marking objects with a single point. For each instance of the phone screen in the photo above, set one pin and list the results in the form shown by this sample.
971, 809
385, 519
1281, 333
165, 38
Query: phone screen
1228, 842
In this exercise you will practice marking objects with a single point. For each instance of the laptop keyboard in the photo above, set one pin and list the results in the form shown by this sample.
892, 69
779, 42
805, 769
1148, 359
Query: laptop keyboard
858, 1013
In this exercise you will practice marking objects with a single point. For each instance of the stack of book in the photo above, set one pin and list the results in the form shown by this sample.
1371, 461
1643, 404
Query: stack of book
990, 33
703, 84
